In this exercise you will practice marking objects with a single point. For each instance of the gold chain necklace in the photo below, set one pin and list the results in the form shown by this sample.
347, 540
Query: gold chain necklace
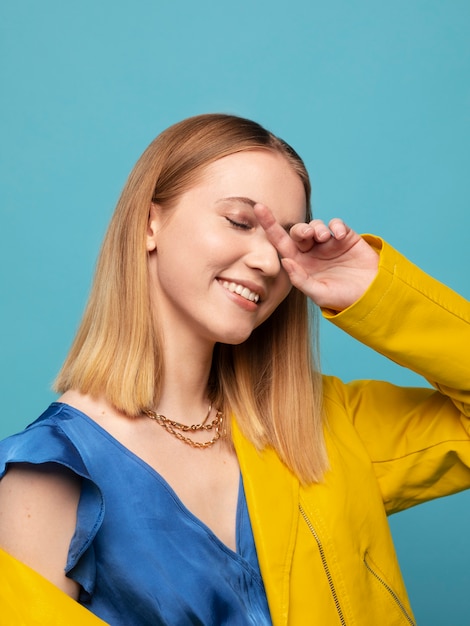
173, 427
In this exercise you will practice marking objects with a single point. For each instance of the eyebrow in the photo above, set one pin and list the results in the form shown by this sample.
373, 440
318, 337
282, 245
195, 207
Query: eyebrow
251, 203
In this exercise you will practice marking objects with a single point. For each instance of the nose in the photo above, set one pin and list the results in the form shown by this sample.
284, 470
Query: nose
263, 256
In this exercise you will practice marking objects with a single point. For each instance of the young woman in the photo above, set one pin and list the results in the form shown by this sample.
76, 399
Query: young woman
197, 469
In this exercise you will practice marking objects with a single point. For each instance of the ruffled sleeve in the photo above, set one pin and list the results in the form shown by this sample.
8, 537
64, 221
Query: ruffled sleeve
44, 441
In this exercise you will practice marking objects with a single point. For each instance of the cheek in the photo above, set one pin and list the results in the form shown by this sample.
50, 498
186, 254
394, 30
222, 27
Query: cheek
283, 288
181, 249
279, 295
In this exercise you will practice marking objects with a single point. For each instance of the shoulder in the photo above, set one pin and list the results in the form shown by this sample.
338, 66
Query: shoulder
38, 507
46, 481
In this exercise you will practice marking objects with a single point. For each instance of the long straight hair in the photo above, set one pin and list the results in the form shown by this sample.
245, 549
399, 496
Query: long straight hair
270, 382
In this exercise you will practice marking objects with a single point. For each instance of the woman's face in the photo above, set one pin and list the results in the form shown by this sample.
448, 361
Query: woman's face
214, 276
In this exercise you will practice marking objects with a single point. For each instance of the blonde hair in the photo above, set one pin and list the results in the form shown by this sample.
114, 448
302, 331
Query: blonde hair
269, 382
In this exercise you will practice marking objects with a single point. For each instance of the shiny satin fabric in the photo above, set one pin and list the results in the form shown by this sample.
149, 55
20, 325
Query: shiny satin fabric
140, 556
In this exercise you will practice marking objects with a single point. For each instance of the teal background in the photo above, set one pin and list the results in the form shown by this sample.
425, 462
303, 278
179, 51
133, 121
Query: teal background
374, 95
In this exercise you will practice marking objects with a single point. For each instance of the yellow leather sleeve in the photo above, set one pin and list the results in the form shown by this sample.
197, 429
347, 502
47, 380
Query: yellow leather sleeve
28, 599
417, 439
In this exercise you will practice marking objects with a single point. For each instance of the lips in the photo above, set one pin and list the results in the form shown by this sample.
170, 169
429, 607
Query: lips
240, 290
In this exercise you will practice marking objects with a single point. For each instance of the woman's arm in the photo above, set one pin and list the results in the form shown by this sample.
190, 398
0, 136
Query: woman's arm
377, 296
38, 509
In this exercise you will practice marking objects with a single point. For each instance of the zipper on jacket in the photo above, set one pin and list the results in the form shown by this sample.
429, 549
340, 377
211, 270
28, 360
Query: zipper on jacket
325, 565
394, 596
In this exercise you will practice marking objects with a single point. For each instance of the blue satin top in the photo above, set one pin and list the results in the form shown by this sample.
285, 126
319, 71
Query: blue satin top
140, 556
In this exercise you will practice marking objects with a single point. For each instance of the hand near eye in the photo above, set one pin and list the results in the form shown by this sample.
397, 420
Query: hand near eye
331, 264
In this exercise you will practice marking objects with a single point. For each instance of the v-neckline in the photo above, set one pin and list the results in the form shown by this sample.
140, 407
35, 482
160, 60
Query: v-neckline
241, 500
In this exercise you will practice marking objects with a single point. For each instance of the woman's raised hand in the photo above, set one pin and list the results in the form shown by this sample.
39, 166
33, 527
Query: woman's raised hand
331, 264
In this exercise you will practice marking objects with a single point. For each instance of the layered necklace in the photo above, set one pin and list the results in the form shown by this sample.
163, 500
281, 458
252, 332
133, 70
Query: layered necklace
176, 429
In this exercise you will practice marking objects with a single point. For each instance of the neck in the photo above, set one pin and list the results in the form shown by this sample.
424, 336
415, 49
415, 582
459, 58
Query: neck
184, 395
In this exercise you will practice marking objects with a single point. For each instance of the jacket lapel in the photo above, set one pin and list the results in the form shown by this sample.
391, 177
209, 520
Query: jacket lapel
272, 498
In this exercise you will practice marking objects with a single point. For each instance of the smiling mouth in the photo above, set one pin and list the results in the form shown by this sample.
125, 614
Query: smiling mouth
240, 290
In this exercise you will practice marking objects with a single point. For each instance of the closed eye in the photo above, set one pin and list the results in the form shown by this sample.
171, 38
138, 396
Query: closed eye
240, 225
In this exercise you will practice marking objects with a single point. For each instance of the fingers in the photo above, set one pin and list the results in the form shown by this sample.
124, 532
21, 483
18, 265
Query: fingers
338, 228
301, 279
301, 237
316, 230
274, 231
297, 275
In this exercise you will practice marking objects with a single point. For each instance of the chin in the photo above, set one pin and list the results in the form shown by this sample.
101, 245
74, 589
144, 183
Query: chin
236, 339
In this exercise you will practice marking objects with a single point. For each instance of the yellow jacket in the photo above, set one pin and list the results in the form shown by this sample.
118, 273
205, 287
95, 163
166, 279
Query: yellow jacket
325, 550
28, 599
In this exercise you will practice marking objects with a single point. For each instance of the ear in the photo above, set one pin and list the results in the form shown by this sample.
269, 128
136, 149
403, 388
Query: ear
152, 227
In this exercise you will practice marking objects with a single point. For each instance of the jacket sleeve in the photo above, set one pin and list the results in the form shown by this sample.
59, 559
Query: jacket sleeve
28, 598
418, 439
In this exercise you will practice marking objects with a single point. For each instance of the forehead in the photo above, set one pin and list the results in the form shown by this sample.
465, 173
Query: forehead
261, 176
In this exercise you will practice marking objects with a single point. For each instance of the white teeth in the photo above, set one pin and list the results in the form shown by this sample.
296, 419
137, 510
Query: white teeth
241, 291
